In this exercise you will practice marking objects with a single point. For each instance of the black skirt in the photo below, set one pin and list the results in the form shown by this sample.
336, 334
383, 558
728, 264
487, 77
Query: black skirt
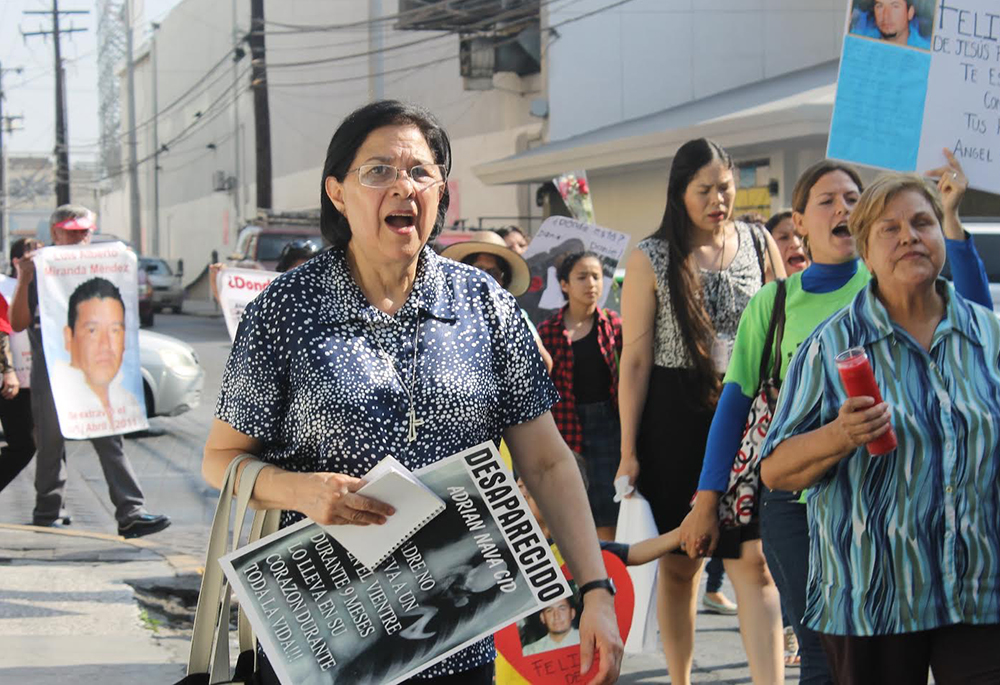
671, 444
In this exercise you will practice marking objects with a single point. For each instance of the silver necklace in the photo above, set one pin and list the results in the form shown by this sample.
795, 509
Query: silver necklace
413, 421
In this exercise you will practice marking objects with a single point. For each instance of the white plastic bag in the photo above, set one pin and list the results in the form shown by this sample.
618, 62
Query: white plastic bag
635, 523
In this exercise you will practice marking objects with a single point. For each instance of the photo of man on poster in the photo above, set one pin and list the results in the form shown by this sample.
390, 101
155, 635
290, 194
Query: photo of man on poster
94, 337
893, 21
558, 621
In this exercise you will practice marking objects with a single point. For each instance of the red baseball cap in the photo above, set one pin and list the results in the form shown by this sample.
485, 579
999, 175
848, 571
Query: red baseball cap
76, 223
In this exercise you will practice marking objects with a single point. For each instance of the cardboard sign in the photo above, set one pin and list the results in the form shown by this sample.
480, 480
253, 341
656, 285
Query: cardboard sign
237, 288
561, 665
917, 80
557, 237
88, 302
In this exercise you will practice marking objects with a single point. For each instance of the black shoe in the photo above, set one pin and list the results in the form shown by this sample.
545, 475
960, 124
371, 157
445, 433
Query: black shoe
144, 524
65, 517
58, 523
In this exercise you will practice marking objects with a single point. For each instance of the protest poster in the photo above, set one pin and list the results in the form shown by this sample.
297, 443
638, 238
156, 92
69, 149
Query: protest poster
237, 288
88, 303
916, 78
544, 648
557, 237
322, 617
20, 347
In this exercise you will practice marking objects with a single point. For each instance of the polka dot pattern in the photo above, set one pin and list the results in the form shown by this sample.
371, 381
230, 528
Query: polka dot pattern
307, 378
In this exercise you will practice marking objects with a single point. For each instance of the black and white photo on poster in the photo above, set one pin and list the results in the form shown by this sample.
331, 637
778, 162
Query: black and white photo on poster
322, 617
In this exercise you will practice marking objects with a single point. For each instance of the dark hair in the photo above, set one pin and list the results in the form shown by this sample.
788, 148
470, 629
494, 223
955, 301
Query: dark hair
565, 267
504, 265
507, 230
293, 252
351, 135
18, 249
752, 218
96, 288
683, 280
776, 219
809, 178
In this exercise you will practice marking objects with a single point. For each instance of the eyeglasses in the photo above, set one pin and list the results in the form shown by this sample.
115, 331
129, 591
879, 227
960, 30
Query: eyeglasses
384, 175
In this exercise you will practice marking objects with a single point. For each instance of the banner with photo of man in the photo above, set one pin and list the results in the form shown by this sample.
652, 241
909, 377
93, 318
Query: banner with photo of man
557, 237
89, 308
237, 288
918, 77
323, 617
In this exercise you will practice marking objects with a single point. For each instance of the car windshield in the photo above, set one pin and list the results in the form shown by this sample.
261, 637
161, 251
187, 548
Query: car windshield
157, 267
269, 245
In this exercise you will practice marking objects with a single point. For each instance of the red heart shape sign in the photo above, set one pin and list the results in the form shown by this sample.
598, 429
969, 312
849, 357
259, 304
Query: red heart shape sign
562, 665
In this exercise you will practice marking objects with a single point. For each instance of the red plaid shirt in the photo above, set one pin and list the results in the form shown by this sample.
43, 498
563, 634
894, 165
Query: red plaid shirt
557, 342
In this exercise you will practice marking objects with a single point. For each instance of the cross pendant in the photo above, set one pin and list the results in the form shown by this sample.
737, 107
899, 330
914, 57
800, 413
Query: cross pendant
414, 424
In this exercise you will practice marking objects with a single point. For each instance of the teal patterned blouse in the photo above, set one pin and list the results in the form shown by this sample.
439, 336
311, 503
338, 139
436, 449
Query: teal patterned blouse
908, 541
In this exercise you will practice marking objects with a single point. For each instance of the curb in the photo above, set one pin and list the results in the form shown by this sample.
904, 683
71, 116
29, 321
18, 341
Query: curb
181, 563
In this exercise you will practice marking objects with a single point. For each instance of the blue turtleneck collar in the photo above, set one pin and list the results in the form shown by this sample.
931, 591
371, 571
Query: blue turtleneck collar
825, 278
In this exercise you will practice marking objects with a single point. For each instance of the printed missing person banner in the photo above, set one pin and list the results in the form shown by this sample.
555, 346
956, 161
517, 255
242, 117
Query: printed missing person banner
557, 237
237, 288
323, 617
89, 307
918, 77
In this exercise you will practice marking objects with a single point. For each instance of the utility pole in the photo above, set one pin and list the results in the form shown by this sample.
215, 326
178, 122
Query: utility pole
5, 123
237, 143
261, 110
133, 162
62, 146
155, 249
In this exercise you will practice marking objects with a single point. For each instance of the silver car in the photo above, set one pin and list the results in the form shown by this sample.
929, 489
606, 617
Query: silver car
168, 293
172, 378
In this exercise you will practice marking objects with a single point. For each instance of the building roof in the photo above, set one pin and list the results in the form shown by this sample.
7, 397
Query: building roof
795, 105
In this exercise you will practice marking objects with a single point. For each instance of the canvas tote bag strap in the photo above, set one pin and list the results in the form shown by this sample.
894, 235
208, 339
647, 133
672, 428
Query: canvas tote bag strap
213, 586
777, 321
264, 523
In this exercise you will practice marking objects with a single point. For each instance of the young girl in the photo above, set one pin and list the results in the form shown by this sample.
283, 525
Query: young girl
585, 342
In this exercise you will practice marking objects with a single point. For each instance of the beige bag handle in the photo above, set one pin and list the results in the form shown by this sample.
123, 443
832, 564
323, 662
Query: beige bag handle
210, 635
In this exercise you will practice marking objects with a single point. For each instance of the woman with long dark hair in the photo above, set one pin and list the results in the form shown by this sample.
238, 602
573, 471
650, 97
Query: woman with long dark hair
687, 285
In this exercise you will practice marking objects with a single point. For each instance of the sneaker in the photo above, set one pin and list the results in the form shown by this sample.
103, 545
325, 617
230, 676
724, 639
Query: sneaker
792, 658
144, 524
718, 603
58, 523
65, 517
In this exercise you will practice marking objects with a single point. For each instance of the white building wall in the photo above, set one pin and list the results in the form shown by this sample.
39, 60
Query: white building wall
650, 55
307, 102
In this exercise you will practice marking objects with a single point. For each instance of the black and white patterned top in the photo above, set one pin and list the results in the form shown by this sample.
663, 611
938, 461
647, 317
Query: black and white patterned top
307, 379
726, 294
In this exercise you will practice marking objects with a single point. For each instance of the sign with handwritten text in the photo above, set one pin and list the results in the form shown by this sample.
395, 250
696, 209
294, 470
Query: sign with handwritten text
237, 288
900, 103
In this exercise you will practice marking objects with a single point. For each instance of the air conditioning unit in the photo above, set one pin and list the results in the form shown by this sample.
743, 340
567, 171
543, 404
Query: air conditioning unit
219, 181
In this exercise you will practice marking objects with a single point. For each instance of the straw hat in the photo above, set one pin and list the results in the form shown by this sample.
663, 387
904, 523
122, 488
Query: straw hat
490, 243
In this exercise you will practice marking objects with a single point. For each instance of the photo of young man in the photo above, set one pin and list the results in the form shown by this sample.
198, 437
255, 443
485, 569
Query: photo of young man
893, 21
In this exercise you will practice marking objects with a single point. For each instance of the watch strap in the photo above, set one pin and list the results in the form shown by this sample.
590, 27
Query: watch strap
602, 584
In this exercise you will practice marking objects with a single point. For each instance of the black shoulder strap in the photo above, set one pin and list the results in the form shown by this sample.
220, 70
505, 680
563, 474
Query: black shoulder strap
775, 331
759, 248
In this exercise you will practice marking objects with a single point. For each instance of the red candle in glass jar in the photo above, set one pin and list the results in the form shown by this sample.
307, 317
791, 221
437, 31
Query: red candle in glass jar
859, 381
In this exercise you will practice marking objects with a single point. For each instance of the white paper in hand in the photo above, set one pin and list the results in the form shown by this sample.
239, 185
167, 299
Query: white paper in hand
415, 504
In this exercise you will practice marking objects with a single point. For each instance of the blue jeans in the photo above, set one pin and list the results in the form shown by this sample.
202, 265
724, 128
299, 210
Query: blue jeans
784, 531
714, 571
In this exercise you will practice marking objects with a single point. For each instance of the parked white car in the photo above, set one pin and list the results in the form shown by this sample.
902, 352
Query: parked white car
172, 378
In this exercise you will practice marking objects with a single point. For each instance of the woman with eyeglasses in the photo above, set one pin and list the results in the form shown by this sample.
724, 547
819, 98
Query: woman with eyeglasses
380, 346
823, 200
685, 289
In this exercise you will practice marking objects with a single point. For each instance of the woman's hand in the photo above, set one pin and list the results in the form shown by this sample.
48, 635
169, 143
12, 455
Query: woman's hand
952, 184
331, 499
628, 466
599, 631
860, 421
699, 532
11, 385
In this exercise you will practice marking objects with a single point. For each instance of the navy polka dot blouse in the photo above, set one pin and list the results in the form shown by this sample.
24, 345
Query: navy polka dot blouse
308, 375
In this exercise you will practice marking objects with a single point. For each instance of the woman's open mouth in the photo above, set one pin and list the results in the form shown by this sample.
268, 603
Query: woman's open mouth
717, 216
401, 223
841, 231
796, 260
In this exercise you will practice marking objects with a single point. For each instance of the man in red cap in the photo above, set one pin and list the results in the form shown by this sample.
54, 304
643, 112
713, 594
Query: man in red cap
71, 225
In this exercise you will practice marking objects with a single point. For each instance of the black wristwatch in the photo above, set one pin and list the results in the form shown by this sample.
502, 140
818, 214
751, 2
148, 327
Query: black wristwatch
602, 584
